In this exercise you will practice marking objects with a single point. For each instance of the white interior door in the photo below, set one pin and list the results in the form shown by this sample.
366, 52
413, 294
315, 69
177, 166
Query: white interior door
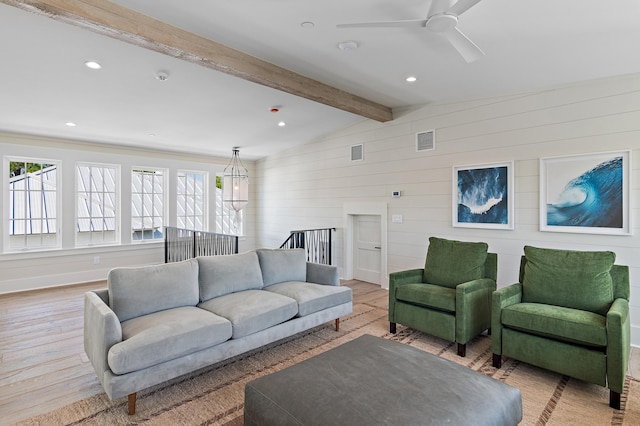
367, 248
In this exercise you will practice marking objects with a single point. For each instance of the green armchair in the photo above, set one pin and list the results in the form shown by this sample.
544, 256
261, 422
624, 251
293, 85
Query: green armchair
570, 314
451, 297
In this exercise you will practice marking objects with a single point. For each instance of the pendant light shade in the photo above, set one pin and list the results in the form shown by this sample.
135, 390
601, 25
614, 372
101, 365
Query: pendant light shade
235, 183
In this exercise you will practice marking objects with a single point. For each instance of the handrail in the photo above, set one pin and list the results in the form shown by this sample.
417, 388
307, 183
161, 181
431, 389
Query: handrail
316, 242
182, 244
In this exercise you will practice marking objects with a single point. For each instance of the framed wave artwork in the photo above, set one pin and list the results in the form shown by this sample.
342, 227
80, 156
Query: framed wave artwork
483, 196
586, 193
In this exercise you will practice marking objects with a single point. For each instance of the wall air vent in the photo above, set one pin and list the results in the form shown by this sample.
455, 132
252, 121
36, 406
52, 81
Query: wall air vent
426, 141
357, 152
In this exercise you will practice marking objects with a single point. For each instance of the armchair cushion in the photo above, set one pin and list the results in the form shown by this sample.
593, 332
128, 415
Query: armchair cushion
443, 266
428, 295
566, 324
572, 279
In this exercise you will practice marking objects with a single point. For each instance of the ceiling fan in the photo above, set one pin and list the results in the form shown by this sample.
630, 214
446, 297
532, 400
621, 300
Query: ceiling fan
442, 18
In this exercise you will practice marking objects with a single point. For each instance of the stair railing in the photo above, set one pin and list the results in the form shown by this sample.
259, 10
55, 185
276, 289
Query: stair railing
316, 242
182, 244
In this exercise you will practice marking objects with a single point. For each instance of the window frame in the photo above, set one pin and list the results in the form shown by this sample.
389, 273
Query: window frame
116, 200
164, 215
205, 199
7, 192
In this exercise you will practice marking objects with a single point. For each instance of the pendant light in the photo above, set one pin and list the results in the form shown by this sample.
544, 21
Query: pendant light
235, 183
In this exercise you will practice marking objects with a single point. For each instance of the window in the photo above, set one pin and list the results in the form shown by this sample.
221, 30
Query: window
96, 204
228, 221
147, 204
33, 204
191, 200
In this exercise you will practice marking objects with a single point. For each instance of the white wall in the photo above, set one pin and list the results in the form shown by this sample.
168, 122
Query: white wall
68, 265
307, 187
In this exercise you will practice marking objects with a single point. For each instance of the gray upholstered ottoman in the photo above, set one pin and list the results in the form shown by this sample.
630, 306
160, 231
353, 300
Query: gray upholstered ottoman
371, 381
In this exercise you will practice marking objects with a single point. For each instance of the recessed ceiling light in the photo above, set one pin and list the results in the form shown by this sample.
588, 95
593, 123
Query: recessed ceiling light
70, 124
307, 24
411, 79
348, 45
282, 124
93, 65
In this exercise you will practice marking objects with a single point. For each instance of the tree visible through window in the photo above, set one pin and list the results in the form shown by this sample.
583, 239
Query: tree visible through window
33, 211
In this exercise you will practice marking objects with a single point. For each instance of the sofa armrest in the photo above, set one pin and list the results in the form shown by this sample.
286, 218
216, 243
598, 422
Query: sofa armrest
322, 274
102, 330
618, 343
473, 308
500, 299
396, 279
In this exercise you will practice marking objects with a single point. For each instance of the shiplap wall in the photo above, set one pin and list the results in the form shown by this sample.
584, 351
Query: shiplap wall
308, 186
69, 265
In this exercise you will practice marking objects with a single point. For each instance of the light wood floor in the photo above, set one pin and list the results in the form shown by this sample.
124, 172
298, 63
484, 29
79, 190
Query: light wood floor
42, 361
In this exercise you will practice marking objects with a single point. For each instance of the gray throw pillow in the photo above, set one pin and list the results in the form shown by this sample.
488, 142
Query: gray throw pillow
138, 291
282, 265
220, 275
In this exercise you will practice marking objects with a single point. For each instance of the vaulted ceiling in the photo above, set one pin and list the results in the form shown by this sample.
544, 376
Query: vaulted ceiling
172, 98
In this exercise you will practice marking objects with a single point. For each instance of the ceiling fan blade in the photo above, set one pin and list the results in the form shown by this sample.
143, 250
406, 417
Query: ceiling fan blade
461, 6
438, 6
416, 23
467, 49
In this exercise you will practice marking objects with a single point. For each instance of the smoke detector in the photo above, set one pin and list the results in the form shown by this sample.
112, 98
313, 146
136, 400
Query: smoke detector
162, 75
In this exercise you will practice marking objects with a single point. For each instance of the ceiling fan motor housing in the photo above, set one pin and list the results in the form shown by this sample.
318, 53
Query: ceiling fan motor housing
441, 23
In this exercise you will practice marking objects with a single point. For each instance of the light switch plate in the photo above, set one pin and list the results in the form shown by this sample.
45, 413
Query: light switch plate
396, 218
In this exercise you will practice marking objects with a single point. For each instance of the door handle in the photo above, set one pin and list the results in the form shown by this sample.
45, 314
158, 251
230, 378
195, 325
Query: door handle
376, 247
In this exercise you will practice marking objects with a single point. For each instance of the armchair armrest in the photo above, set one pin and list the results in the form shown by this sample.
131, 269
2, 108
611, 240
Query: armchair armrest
322, 274
502, 298
473, 308
102, 330
618, 343
396, 279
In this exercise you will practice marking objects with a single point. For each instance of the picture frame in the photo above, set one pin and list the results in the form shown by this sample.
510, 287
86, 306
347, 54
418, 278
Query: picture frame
586, 193
483, 196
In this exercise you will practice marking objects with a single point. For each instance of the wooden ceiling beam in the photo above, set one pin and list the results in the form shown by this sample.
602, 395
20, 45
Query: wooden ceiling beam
114, 20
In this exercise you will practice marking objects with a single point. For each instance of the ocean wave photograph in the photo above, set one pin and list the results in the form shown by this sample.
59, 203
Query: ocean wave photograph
594, 198
483, 195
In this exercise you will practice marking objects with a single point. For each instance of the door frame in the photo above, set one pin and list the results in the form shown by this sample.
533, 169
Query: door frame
350, 210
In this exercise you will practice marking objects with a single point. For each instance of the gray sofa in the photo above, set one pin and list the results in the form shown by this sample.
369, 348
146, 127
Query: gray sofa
155, 323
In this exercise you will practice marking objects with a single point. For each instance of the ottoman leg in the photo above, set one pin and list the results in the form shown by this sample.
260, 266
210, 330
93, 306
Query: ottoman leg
392, 327
462, 349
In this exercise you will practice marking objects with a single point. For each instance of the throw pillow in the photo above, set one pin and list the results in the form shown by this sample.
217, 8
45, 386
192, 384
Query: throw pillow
572, 279
220, 275
451, 262
282, 265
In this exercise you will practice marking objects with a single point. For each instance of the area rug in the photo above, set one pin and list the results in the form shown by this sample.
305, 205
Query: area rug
215, 396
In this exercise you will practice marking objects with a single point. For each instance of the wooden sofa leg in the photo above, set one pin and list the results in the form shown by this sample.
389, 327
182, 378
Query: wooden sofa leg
392, 327
614, 400
337, 324
497, 360
462, 350
132, 404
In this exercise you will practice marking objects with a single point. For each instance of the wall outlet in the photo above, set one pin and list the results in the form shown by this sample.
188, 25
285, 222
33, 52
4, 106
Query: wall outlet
96, 260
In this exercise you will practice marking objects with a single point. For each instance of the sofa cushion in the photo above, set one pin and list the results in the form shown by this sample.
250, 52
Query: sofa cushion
138, 291
451, 262
251, 311
220, 275
162, 336
569, 325
281, 265
573, 279
429, 295
312, 297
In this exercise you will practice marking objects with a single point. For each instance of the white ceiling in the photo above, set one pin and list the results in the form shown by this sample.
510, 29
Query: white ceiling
528, 45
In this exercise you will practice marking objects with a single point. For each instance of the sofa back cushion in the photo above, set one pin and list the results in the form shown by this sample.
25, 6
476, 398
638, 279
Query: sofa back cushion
451, 262
572, 279
220, 275
282, 265
138, 291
